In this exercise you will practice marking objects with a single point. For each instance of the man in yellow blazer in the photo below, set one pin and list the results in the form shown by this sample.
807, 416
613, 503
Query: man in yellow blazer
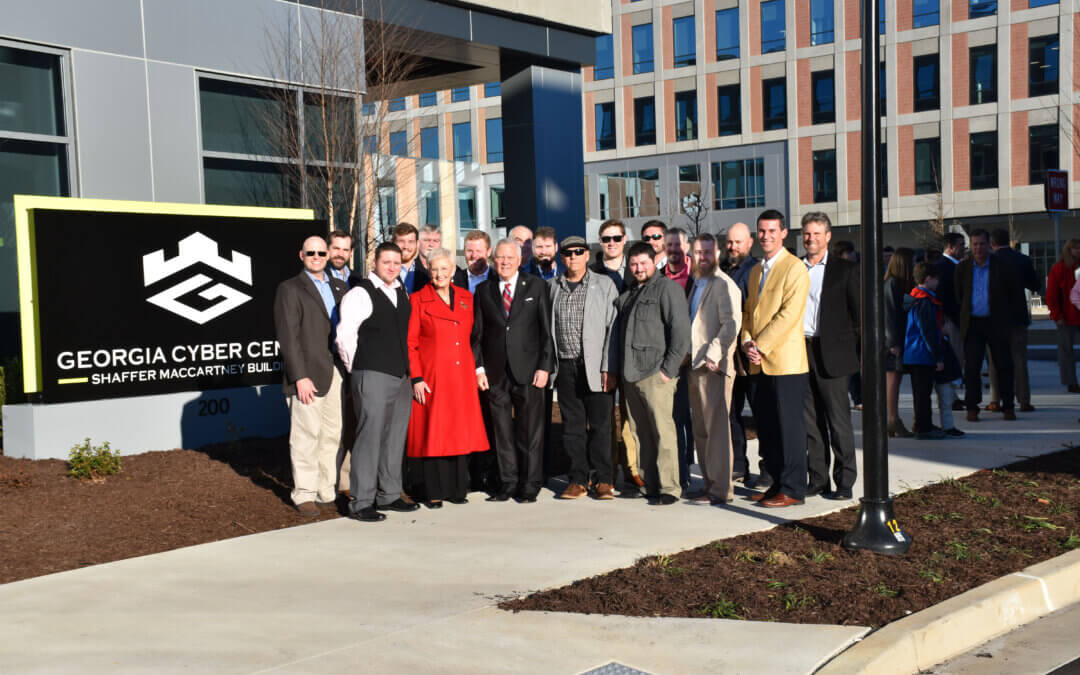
772, 339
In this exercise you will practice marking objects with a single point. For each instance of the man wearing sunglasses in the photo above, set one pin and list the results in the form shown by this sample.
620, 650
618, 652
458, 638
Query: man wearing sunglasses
583, 349
654, 233
613, 242
305, 316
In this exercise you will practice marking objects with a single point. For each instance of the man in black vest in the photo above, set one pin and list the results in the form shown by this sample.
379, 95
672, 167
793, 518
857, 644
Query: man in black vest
375, 314
514, 355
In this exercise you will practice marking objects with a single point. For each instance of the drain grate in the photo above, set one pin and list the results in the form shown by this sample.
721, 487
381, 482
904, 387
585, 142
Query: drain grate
614, 668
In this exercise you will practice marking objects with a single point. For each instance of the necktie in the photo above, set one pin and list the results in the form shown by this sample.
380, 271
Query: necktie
507, 300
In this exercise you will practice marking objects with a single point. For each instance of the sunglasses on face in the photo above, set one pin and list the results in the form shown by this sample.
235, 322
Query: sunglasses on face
652, 237
321, 254
610, 238
575, 252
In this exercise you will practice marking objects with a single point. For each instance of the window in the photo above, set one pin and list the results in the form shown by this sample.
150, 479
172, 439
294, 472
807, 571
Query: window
459, 94
494, 140
924, 13
1043, 65
428, 203
630, 194
1042, 152
983, 158
728, 110
429, 142
371, 145
980, 8
823, 107
927, 165
983, 76
686, 115
644, 121
466, 199
641, 36
227, 110
727, 34
1042, 3
774, 102
492, 89
689, 184
683, 35
462, 142
387, 215
824, 176
883, 89
368, 109
238, 182
821, 22
396, 104
772, 26
428, 99
605, 59
883, 170
399, 144
605, 126
739, 184
498, 214
337, 112
925, 69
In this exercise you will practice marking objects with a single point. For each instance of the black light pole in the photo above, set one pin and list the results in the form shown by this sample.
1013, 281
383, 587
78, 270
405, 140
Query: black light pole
876, 529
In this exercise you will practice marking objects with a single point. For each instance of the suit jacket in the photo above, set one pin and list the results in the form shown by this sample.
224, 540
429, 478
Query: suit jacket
714, 332
519, 344
946, 270
461, 277
1024, 271
598, 334
1002, 287
838, 320
773, 317
305, 332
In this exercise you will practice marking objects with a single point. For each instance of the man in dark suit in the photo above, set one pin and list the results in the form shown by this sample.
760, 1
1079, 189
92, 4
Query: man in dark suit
1024, 270
477, 270
830, 326
985, 289
305, 314
514, 355
946, 272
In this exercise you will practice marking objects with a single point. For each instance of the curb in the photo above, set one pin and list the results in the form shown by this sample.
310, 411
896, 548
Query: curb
925, 639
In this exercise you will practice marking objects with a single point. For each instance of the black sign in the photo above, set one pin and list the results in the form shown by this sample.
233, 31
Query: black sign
132, 304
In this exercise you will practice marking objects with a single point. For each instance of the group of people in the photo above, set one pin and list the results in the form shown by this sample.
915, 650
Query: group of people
422, 381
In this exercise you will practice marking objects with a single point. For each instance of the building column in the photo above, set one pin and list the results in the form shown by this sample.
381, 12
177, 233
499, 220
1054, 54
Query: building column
544, 165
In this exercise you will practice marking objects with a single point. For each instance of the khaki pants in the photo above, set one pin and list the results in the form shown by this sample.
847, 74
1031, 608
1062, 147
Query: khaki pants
625, 432
314, 437
649, 403
710, 401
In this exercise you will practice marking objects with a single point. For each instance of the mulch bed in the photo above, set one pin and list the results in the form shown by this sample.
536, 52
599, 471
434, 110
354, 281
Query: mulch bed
966, 532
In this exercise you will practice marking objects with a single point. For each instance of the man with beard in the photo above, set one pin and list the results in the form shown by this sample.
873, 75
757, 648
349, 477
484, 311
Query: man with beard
477, 270
340, 255
413, 276
430, 239
545, 261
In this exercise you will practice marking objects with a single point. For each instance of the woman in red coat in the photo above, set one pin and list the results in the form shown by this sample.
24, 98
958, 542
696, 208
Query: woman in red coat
446, 424
1059, 283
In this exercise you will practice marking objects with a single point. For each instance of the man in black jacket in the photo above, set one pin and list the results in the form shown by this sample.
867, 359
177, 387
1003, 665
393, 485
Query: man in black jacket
946, 271
830, 326
514, 356
1024, 270
985, 289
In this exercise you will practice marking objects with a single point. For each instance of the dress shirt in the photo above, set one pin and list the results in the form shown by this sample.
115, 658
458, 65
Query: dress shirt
408, 274
356, 308
511, 284
980, 289
477, 279
342, 274
695, 295
766, 265
813, 300
327, 295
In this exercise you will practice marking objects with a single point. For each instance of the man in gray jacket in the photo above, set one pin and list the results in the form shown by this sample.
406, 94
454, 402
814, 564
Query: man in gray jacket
653, 339
583, 328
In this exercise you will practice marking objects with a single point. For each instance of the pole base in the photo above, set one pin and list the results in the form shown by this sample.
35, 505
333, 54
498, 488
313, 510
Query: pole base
877, 529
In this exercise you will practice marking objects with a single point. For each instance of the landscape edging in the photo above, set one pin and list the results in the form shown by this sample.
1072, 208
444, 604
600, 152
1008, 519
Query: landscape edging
935, 634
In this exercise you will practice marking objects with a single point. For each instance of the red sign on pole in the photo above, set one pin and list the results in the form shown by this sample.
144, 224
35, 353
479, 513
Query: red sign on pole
1057, 190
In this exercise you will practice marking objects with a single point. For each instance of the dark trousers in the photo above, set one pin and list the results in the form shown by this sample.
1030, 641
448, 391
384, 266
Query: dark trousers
827, 416
922, 385
518, 432
684, 430
855, 388
483, 471
979, 337
782, 431
741, 393
586, 417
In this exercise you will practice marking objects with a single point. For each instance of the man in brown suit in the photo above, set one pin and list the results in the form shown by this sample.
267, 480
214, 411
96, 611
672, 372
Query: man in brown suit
305, 313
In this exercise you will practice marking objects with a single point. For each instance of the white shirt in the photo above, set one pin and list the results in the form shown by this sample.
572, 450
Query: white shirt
766, 265
511, 284
355, 309
695, 295
813, 300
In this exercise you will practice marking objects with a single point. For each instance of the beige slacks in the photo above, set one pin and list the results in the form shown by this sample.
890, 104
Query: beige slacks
625, 432
314, 437
650, 403
710, 401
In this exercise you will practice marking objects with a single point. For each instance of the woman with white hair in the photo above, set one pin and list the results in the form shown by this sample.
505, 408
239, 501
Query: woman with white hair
446, 423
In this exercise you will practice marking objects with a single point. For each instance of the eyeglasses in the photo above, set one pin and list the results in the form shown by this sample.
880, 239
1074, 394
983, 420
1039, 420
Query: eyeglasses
575, 252
612, 237
321, 254
653, 237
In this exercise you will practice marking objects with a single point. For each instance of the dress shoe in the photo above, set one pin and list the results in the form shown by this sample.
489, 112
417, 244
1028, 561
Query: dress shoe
345, 494
768, 494
307, 509
526, 498
407, 499
1027, 407
993, 407
462, 500
433, 504
717, 501
1074, 388
954, 433
604, 491
637, 480
898, 430
959, 405
932, 435
399, 505
839, 494
697, 496
1008, 415
368, 514
573, 491
973, 416
779, 501
814, 491
663, 500
500, 496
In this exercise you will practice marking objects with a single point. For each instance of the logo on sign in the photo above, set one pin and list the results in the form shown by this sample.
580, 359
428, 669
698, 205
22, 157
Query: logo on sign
194, 249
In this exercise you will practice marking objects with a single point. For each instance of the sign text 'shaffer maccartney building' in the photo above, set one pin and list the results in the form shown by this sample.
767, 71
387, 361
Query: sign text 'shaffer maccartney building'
133, 304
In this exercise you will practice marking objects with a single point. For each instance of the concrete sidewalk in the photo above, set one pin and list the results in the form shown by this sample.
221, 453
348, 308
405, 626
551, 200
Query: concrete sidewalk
418, 591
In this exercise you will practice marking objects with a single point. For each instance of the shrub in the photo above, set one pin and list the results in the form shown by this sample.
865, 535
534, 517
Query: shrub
93, 462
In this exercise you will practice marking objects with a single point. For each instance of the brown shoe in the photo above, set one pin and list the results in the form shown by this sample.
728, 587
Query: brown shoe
307, 509
573, 491
779, 501
993, 407
761, 496
973, 416
1009, 415
407, 499
637, 480
604, 491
